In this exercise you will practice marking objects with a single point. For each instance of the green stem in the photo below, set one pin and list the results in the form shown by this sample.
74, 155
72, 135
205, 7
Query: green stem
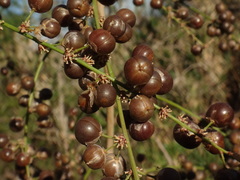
178, 106
96, 13
124, 128
30, 15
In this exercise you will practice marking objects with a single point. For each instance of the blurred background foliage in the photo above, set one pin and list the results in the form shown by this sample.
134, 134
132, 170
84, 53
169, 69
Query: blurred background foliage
198, 81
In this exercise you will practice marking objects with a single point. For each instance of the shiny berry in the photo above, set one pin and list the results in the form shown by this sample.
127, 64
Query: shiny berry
127, 16
107, 2
94, 156
167, 80
138, 2
23, 159
87, 130
127, 35
143, 50
78, 8
215, 137
43, 110
220, 113
115, 25
27, 82
167, 174
50, 27
5, 3
114, 166
16, 124
106, 95
141, 108
3, 140
86, 102
156, 4
196, 22
7, 155
13, 88
102, 41
138, 70
74, 70
62, 15
141, 131
73, 40
40, 6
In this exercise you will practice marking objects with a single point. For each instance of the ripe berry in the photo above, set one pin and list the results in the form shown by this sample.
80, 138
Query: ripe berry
141, 108
23, 159
152, 86
40, 6
107, 2
16, 124
87, 103
106, 95
50, 27
127, 35
167, 174
186, 138
7, 155
182, 12
167, 80
27, 82
115, 25
5, 3
138, 70
156, 4
138, 2
73, 40
141, 131
88, 130
94, 156
45, 94
143, 50
4, 71
3, 140
43, 110
215, 137
127, 16
13, 88
74, 70
23, 100
62, 15
196, 22
221, 113
78, 8
102, 41
196, 49
114, 166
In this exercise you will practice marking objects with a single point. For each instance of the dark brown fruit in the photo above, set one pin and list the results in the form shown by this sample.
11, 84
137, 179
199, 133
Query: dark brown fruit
215, 137
167, 80
114, 166
168, 174
13, 88
143, 50
94, 156
86, 102
46, 175
152, 86
107, 2
127, 15
78, 8
7, 155
115, 25
40, 6
156, 4
62, 15
182, 12
23, 159
5, 3
43, 110
27, 82
106, 95
221, 113
138, 2
88, 80
73, 40
16, 124
196, 49
4, 71
74, 70
45, 94
127, 35
88, 130
3, 140
141, 131
234, 137
141, 108
138, 70
23, 100
50, 27
102, 41
220, 7
186, 138
196, 22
